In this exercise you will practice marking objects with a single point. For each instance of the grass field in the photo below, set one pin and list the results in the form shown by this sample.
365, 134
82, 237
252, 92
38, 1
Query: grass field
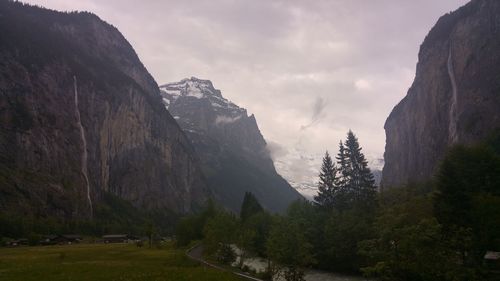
102, 262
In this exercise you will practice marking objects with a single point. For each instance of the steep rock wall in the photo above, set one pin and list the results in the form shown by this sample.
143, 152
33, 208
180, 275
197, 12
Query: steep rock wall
455, 97
81, 116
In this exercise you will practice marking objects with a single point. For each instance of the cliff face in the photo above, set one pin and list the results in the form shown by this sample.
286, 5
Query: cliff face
81, 117
232, 149
455, 97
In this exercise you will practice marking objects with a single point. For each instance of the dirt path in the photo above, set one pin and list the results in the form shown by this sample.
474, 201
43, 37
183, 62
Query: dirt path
196, 253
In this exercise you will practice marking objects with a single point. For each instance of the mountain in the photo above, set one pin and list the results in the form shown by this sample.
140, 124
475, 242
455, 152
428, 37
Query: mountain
455, 97
83, 120
233, 152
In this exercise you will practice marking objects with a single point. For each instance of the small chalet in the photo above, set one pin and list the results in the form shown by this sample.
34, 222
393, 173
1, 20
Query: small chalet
71, 238
61, 239
492, 260
17, 242
119, 238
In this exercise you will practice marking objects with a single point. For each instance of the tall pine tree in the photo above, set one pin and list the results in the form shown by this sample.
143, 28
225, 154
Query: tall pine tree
327, 186
250, 206
360, 185
343, 168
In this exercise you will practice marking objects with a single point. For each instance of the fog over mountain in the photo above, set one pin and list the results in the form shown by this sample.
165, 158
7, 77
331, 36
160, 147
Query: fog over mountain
308, 70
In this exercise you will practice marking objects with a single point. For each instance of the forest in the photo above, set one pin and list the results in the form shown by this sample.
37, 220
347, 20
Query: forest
438, 230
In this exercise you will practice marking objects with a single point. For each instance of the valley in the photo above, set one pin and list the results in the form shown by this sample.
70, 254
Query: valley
277, 175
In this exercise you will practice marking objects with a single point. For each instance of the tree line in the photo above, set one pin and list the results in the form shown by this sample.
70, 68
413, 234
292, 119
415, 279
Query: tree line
438, 230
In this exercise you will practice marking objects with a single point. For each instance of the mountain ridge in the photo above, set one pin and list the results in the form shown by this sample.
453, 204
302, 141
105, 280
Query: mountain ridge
229, 142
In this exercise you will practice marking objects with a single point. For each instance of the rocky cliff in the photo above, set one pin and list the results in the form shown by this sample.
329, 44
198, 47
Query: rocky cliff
81, 117
455, 97
231, 147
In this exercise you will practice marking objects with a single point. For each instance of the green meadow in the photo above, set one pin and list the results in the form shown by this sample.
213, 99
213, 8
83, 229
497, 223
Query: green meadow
103, 262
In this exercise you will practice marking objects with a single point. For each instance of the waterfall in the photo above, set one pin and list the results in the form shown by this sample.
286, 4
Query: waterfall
84, 147
452, 127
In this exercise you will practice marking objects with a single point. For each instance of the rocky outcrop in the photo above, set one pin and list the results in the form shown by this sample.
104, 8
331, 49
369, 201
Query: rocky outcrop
455, 98
232, 149
81, 117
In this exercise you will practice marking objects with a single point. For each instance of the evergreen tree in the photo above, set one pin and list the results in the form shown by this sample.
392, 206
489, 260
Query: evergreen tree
359, 185
249, 207
468, 198
342, 166
327, 188
342, 179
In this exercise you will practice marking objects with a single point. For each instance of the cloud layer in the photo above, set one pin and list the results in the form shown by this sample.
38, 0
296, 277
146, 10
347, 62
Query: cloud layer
308, 70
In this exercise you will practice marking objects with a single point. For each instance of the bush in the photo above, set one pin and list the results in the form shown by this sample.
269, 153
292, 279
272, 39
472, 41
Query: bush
225, 254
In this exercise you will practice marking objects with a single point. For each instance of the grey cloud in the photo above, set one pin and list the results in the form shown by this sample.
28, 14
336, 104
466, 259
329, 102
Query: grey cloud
276, 150
317, 113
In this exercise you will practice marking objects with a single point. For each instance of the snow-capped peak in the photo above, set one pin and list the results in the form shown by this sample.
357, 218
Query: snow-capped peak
198, 89
192, 87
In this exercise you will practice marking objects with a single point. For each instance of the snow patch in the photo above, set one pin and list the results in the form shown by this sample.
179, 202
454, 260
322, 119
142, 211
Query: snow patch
223, 119
166, 102
193, 90
174, 93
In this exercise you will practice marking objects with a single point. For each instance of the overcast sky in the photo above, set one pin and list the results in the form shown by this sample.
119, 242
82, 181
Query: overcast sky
308, 70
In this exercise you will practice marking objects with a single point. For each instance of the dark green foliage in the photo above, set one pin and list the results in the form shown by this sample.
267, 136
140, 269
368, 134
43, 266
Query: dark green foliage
225, 254
311, 219
465, 173
415, 233
343, 167
359, 183
254, 228
250, 206
423, 234
254, 233
219, 231
327, 186
345, 215
190, 228
349, 184
410, 243
289, 249
468, 197
342, 233
212, 224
